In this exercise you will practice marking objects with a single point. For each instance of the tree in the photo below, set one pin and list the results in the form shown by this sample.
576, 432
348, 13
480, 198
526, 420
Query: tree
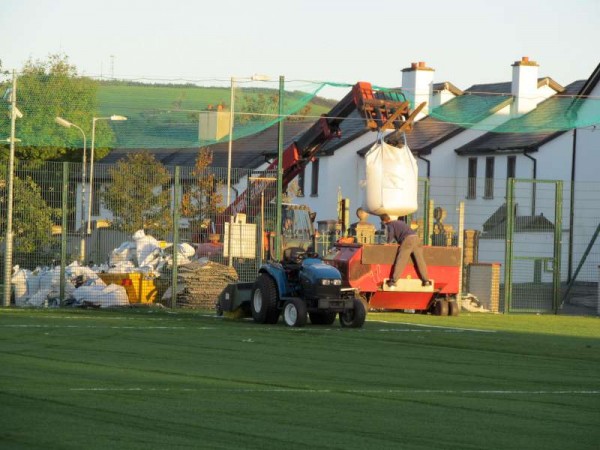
263, 105
32, 217
139, 195
46, 89
201, 197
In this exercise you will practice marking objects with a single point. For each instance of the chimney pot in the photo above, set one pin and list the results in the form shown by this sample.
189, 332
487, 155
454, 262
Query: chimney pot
525, 59
422, 64
413, 65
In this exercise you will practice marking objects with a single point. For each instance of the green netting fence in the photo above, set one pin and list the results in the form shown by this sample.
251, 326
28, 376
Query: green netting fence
187, 114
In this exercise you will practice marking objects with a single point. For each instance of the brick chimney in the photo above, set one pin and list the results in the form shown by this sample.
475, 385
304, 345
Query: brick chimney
213, 125
417, 84
524, 86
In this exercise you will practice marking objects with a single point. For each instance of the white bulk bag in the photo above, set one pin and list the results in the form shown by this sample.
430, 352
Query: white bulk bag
392, 180
19, 281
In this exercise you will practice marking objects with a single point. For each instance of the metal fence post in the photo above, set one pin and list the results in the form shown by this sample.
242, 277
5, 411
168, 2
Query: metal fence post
63, 229
429, 221
557, 245
278, 227
8, 239
176, 204
460, 243
508, 243
426, 209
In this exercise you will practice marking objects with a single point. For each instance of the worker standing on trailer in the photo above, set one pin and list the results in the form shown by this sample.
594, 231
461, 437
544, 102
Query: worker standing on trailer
409, 245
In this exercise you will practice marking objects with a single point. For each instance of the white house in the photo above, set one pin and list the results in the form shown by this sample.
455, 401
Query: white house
551, 153
470, 161
432, 140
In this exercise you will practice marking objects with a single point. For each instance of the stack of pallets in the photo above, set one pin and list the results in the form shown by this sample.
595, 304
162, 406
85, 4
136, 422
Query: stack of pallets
199, 283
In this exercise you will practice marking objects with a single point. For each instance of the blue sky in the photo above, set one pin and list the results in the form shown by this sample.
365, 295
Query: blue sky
466, 41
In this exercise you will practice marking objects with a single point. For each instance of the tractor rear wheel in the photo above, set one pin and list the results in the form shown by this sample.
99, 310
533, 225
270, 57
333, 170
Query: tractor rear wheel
355, 317
294, 313
264, 300
322, 317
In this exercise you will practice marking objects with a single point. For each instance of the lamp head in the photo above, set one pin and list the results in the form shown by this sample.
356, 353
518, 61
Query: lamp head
62, 122
17, 112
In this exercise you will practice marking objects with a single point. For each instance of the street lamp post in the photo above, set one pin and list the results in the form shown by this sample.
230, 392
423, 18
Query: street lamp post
231, 118
8, 249
230, 142
94, 120
65, 123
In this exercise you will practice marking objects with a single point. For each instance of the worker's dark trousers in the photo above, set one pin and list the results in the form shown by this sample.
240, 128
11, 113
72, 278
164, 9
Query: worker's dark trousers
411, 246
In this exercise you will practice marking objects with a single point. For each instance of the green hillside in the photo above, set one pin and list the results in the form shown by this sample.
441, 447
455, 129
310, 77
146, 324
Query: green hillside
167, 115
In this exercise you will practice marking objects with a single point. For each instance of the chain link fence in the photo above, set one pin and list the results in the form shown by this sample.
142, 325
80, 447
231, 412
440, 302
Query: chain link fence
121, 228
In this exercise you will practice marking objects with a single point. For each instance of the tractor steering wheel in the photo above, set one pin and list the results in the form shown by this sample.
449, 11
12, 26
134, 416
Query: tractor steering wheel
299, 257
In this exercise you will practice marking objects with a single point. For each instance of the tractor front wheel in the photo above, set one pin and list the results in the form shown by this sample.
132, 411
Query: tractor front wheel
294, 313
264, 300
355, 317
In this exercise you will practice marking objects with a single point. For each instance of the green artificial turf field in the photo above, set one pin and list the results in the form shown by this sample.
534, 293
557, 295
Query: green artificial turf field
150, 378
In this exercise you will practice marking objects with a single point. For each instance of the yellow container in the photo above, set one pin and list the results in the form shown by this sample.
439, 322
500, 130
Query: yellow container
140, 287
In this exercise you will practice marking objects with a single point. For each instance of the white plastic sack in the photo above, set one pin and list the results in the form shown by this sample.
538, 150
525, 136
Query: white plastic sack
124, 253
50, 278
392, 180
40, 298
145, 248
19, 281
33, 281
89, 276
103, 296
186, 250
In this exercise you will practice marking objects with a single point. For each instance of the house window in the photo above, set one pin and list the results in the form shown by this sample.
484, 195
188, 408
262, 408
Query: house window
472, 179
314, 182
301, 184
511, 166
489, 177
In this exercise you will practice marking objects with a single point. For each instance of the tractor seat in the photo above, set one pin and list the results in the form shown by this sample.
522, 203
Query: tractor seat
291, 254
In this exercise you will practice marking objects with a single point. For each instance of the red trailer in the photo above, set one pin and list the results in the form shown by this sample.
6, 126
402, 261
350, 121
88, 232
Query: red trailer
366, 267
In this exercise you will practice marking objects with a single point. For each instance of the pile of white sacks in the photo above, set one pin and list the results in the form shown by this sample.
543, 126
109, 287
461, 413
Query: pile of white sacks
83, 286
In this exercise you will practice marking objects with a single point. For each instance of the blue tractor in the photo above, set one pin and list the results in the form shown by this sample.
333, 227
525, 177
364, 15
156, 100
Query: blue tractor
299, 287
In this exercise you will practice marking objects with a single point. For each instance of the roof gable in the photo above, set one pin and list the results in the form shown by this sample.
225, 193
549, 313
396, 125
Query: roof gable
547, 112
431, 131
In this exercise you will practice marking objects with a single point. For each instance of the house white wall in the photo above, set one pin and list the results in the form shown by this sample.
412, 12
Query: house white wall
527, 245
343, 173
448, 179
554, 162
